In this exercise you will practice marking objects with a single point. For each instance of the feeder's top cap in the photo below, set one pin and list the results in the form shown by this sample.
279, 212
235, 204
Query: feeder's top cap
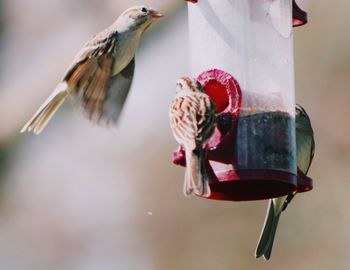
299, 15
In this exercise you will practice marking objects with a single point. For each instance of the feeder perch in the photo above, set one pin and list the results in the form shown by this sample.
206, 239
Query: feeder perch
242, 53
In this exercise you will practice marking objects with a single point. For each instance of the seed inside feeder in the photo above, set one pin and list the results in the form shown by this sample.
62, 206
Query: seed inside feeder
264, 141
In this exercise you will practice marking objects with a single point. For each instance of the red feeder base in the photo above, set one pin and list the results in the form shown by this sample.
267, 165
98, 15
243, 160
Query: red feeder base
225, 182
248, 185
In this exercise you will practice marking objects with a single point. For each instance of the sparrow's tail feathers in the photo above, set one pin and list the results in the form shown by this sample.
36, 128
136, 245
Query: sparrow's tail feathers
267, 236
196, 179
43, 115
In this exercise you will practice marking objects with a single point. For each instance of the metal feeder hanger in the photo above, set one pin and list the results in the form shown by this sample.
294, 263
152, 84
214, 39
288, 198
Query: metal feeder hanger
242, 53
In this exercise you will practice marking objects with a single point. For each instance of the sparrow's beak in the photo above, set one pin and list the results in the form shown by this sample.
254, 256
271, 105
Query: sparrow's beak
179, 85
155, 14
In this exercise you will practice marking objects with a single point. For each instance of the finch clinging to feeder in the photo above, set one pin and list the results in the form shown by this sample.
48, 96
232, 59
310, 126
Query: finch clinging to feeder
305, 152
102, 71
192, 120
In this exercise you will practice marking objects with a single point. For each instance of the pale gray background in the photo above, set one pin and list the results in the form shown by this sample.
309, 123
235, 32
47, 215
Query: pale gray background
79, 197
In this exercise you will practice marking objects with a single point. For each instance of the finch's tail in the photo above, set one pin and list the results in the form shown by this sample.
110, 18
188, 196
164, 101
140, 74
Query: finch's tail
196, 179
43, 115
267, 237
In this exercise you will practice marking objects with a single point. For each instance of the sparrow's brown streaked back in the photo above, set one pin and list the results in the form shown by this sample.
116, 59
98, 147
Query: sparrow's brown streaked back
101, 74
192, 118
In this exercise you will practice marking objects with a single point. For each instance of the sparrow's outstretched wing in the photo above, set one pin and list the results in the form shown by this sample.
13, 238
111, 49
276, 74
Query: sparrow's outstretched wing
87, 77
101, 95
117, 92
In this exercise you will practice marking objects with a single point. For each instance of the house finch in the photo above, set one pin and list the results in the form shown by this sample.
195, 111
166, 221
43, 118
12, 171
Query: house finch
102, 71
192, 120
305, 152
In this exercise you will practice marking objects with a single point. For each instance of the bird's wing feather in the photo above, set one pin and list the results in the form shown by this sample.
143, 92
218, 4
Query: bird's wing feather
102, 43
117, 92
101, 95
312, 153
181, 122
206, 119
94, 91
305, 139
192, 118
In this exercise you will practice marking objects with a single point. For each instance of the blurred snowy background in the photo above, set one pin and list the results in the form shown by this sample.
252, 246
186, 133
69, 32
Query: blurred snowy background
79, 197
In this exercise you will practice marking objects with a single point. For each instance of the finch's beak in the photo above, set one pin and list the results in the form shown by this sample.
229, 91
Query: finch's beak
155, 14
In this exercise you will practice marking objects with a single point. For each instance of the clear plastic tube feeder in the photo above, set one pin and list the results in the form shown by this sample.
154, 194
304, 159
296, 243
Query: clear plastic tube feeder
242, 53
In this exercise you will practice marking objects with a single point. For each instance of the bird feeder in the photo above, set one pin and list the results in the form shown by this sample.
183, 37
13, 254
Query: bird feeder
242, 53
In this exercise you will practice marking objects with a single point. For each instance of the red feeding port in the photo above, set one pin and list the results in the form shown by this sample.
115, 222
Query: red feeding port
218, 94
225, 91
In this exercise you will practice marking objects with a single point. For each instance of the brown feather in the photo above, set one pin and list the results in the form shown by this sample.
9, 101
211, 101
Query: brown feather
102, 43
81, 71
192, 118
97, 88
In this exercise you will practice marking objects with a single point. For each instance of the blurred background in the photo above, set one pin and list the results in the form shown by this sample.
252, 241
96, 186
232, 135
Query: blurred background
83, 197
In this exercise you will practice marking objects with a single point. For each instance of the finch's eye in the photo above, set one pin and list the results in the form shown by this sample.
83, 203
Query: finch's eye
144, 10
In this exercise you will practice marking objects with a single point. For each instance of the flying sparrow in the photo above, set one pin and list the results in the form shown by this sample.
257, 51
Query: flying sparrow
305, 152
101, 74
192, 118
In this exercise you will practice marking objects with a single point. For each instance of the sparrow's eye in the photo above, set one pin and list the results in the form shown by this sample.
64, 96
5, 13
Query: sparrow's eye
144, 10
